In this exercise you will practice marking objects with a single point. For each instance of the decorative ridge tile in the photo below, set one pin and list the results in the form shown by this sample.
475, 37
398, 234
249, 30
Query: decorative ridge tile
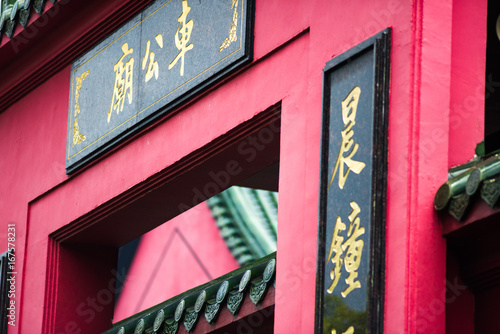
227, 291
237, 294
490, 191
259, 287
478, 179
13, 12
213, 306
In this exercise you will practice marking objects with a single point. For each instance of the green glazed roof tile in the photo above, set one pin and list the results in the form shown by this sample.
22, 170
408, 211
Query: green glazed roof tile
13, 12
204, 303
247, 220
476, 180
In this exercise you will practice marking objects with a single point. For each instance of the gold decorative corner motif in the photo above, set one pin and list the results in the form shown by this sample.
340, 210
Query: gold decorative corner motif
77, 136
232, 30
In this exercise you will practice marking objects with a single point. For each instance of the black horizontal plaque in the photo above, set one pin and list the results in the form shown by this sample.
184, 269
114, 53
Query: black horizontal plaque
158, 60
350, 279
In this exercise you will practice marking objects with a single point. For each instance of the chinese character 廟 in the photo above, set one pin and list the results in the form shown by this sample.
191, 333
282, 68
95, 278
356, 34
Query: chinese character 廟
123, 85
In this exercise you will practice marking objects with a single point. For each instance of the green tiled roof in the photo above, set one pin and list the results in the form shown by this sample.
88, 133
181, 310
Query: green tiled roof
13, 12
479, 178
205, 302
247, 219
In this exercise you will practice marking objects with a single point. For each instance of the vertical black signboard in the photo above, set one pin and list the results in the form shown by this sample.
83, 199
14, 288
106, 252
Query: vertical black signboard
351, 247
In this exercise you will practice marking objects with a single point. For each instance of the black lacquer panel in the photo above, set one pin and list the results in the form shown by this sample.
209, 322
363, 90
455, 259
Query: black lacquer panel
160, 59
350, 278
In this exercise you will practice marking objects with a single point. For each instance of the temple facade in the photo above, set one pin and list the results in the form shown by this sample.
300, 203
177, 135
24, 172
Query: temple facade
249, 166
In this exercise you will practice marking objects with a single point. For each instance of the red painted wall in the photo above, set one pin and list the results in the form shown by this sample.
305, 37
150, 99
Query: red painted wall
293, 41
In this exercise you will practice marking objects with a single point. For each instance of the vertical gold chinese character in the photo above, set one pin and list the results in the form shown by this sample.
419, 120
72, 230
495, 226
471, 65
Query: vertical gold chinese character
350, 330
354, 248
153, 68
123, 85
349, 109
351, 249
184, 29
336, 246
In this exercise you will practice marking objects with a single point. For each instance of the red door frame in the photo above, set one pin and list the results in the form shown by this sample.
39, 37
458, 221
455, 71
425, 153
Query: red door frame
82, 255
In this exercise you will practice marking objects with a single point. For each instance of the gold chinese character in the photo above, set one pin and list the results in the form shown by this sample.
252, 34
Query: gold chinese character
184, 29
350, 330
352, 250
153, 68
349, 109
122, 85
336, 246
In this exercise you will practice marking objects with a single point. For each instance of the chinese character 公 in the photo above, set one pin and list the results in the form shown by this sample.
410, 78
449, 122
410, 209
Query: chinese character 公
153, 68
